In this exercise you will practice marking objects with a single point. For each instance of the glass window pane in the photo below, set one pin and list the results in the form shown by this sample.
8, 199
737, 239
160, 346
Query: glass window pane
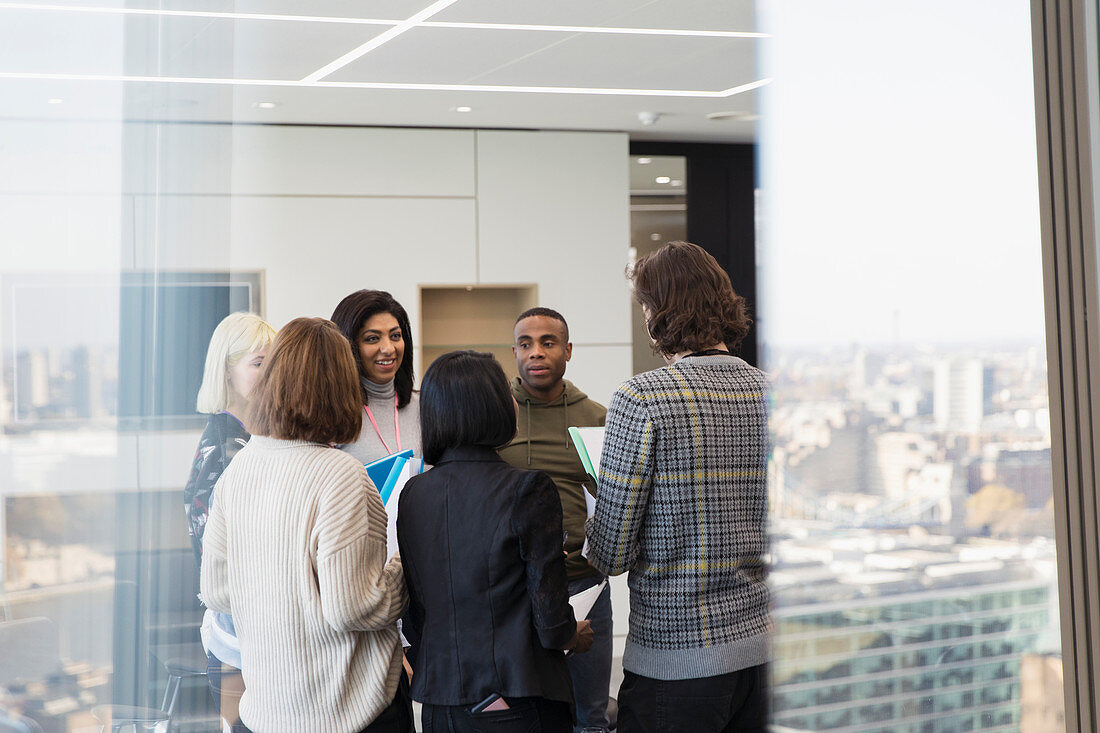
903, 328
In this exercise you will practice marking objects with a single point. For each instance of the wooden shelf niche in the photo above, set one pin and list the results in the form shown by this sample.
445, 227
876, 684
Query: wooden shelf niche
478, 317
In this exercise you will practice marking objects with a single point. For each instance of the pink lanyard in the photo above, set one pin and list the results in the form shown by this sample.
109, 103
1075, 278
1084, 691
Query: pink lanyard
396, 426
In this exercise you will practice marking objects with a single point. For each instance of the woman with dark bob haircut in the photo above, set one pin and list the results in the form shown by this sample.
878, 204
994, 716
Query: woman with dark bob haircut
378, 329
295, 549
481, 544
682, 505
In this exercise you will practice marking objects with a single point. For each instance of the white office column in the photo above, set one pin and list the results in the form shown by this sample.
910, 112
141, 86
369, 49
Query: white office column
554, 209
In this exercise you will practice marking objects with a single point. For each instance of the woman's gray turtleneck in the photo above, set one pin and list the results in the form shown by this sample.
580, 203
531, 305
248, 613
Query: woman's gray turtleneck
380, 398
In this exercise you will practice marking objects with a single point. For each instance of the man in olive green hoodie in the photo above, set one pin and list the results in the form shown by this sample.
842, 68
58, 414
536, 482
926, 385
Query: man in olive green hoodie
549, 405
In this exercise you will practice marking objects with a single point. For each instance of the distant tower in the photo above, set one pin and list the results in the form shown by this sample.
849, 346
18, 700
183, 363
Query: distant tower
958, 394
32, 383
5, 404
868, 368
87, 382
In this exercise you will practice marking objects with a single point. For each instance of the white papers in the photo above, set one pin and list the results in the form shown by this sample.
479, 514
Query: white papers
593, 441
407, 471
582, 602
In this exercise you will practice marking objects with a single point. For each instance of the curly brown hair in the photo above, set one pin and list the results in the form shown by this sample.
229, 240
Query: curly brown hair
690, 302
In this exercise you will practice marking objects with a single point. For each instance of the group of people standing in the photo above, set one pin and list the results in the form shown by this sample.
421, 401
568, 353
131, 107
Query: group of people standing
311, 627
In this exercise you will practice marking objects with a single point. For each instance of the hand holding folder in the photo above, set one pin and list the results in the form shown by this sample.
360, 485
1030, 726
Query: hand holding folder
589, 445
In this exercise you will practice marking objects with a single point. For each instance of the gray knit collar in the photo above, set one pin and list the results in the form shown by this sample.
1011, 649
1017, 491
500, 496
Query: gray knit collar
379, 391
710, 359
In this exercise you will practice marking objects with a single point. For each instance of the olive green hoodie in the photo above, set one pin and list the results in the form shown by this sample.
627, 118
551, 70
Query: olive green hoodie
542, 442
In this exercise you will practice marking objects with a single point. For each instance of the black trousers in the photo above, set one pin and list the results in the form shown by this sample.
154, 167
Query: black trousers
526, 715
737, 701
398, 715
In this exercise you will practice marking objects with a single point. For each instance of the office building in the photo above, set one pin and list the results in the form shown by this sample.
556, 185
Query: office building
913, 635
959, 394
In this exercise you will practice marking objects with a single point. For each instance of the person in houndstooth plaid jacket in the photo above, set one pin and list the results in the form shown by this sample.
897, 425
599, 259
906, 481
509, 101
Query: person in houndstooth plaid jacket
682, 506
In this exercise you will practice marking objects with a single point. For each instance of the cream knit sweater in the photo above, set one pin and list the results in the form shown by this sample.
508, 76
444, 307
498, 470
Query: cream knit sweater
295, 549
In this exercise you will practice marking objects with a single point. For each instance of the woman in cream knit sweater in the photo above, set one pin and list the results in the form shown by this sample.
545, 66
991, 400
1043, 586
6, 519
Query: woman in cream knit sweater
295, 549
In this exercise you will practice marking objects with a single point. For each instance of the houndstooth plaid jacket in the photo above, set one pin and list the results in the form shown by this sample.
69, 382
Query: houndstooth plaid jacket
682, 505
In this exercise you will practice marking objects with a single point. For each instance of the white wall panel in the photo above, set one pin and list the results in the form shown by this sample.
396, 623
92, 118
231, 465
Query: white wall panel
599, 370
271, 160
317, 250
60, 157
60, 232
182, 232
173, 159
340, 161
553, 207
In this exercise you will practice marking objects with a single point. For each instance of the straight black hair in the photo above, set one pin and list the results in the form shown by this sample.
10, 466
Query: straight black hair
465, 400
355, 310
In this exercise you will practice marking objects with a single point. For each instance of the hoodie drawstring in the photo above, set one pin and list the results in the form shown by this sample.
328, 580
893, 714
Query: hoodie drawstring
565, 415
565, 412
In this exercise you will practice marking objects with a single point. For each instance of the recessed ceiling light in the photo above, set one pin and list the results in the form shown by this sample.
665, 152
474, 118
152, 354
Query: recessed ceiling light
676, 182
55, 100
645, 161
662, 179
265, 105
463, 109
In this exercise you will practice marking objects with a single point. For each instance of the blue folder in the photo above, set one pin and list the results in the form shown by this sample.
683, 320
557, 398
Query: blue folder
385, 471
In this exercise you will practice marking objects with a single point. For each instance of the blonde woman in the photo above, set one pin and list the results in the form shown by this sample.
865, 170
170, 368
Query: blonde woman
233, 362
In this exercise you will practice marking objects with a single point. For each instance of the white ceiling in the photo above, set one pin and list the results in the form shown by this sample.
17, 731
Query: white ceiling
557, 64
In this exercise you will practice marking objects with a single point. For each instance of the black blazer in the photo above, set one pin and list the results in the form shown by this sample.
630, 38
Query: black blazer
481, 547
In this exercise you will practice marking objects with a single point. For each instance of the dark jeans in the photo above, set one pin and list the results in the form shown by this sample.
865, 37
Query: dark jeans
737, 701
591, 671
526, 715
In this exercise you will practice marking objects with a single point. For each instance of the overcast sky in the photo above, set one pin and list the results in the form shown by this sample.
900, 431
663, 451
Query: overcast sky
898, 173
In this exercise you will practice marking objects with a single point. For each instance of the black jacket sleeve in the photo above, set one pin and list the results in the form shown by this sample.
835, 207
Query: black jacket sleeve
536, 518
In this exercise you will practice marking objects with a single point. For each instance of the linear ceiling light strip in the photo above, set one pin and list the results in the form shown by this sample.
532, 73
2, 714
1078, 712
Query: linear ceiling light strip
382, 38
742, 88
389, 85
594, 29
381, 21
198, 14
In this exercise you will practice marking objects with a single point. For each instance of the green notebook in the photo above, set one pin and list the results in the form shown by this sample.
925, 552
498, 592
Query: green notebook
589, 445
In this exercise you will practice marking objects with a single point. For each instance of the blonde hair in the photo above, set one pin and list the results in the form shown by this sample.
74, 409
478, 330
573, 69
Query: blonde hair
237, 335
